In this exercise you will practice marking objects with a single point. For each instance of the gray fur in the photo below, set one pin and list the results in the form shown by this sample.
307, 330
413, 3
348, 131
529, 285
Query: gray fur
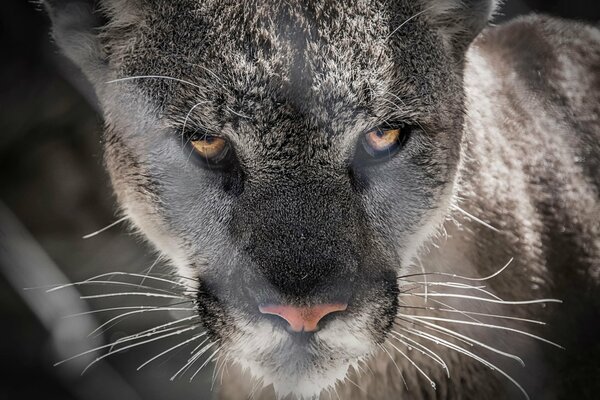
507, 132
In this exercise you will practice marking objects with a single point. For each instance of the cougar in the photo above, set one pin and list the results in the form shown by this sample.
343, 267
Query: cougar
359, 199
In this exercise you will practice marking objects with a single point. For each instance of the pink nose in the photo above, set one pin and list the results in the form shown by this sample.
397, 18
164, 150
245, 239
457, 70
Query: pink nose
302, 319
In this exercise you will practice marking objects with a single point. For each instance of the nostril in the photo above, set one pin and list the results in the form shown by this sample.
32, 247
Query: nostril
302, 319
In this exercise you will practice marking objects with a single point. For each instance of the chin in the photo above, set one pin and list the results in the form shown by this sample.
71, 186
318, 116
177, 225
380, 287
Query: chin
301, 365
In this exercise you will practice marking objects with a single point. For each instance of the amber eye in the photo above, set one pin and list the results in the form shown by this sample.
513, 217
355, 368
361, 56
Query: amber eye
380, 143
209, 147
212, 151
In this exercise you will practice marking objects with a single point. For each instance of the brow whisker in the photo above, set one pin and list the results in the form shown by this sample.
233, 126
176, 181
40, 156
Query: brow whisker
168, 78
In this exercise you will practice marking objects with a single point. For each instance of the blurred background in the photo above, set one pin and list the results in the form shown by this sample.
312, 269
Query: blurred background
53, 191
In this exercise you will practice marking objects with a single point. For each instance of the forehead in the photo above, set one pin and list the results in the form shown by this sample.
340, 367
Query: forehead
275, 62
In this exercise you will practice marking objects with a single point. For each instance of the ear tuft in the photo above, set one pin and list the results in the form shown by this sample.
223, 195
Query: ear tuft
459, 21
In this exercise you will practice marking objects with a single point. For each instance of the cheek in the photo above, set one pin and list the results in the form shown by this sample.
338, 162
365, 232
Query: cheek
397, 201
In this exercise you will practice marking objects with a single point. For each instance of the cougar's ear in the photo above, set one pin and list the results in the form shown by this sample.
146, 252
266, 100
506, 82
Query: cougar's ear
78, 28
75, 25
459, 21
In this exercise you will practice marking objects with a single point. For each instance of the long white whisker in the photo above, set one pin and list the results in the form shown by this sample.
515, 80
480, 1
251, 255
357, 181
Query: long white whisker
98, 348
154, 330
187, 117
149, 270
456, 285
130, 313
146, 294
196, 337
192, 360
470, 354
168, 78
486, 346
414, 365
205, 363
420, 348
110, 274
533, 321
120, 349
117, 283
505, 302
395, 364
455, 309
407, 21
107, 227
433, 328
504, 328
198, 346
403, 277
474, 218
122, 309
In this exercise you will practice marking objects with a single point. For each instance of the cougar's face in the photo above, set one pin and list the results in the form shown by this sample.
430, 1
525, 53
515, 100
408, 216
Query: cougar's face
290, 160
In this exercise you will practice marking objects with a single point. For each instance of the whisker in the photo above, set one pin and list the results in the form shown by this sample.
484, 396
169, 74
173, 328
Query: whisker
149, 270
146, 294
533, 321
117, 283
395, 364
95, 350
188, 116
155, 330
107, 227
433, 328
459, 276
120, 349
117, 318
407, 21
124, 308
196, 337
168, 78
414, 365
455, 285
505, 302
486, 346
470, 354
192, 360
499, 327
420, 348
205, 363
455, 309
110, 274
474, 218
198, 346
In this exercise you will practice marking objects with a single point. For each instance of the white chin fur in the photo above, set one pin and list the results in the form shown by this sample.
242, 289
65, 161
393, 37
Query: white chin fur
270, 355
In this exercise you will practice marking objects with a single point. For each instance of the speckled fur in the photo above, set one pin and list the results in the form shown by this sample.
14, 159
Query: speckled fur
508, 131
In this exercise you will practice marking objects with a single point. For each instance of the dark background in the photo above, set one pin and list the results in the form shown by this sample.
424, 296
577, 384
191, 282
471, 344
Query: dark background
53, 186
